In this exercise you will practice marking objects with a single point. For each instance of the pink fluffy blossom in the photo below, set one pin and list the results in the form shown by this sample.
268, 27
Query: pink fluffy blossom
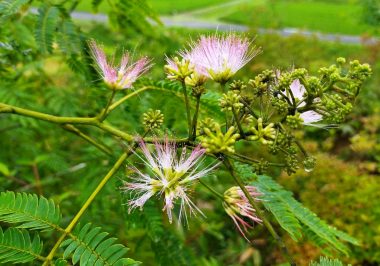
239, 209
123, 76
170, 176
219, 57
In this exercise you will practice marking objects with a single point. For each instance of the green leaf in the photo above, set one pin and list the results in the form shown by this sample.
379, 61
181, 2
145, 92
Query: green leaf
293, 216
68, 39
89, 246
29, 210
17, 246
46, 27
323, 261
10, 7
4, 169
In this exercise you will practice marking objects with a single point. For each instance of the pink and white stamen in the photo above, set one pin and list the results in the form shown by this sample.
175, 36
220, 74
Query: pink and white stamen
237, 206
122, 76
170, 176
219, 57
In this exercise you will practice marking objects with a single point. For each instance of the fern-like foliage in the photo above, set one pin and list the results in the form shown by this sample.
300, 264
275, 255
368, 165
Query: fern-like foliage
89, 246
133, 13
68, 37
46, 27
295, 218
17, 246
29, 211
323, 261
10, 7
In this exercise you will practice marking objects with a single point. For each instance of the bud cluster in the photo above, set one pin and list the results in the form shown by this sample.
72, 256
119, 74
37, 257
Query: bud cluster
215, 141
153, 119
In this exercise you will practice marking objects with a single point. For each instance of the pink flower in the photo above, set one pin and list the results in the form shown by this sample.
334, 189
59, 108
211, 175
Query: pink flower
299, 92
238, 207
310, 117
220, 57
170, 176
123, 76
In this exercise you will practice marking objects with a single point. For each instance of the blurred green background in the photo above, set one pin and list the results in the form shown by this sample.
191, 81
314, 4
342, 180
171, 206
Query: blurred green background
344, 188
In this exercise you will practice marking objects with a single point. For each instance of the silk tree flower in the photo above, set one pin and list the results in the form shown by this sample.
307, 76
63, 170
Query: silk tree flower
220, 57
170, 176
238, 207
123, 76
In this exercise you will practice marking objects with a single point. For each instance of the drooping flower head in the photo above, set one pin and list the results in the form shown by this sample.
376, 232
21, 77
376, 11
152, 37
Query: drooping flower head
219, 57
123, 76
238, 208
170, 176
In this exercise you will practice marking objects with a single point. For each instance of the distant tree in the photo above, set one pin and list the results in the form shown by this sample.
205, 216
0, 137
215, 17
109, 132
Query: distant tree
371, 14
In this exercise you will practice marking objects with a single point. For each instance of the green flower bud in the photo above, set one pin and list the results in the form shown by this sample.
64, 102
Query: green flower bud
178, 70
341, 60
291, 164
195, 80
294, 121
230, 100
153, 119
237, 85
198, 90
259, 86
265, 135
217, 142
280, 105
207, 123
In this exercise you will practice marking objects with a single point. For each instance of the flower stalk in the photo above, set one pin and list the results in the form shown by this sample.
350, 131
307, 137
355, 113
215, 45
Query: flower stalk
187, 106
195, 118
84, 207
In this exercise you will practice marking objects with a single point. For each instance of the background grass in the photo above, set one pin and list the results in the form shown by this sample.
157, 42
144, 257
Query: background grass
334, 17
160, 6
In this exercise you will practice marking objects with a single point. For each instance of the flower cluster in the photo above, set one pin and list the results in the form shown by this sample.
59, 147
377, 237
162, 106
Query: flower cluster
266, 111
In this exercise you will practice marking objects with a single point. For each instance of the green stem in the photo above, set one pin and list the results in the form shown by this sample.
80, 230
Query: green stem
105, 112
237, 121
5, 108
293, 98
216, 193
187, 108
90, 140
246, 105
259, 212
92, 121
118, 102
114, 131
223, 87
195, 119
301, 148
76, 218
